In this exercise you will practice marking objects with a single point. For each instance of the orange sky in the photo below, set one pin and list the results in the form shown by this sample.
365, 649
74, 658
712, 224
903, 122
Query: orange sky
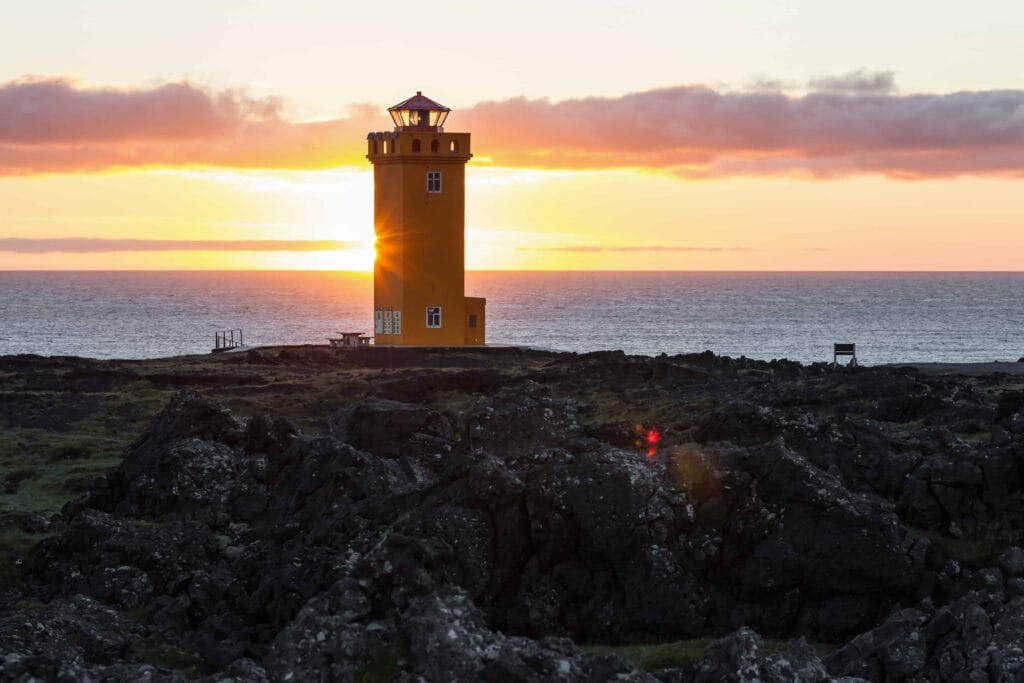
107, 163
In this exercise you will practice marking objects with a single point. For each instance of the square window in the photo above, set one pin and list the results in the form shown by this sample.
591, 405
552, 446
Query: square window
433, 182
433, 316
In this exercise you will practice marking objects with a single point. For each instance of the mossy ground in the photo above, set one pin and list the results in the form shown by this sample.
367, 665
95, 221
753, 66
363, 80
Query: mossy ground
380, 670
65, 421
41, 469
152, 650
654, 656
972, 553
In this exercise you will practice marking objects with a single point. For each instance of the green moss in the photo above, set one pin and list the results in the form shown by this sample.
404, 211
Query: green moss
453, 400
651, 657
973, 553
153, 650
11, 575
42, 469
654, 656
380, 670
980, 438
14, 545
35, 469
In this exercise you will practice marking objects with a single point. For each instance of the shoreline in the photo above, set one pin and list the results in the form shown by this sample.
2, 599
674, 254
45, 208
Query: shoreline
931, 368
963, 369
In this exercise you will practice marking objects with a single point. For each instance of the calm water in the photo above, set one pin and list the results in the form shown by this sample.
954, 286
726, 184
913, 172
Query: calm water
891, 317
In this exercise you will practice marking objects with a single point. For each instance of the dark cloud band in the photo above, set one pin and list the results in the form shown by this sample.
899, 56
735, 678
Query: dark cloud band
848, 124
594, 248
88, 245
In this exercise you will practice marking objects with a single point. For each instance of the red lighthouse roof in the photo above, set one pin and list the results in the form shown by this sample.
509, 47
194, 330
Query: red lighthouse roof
419, 101
419, 113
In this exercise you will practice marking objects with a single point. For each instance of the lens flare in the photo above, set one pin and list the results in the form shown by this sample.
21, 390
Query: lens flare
647, 439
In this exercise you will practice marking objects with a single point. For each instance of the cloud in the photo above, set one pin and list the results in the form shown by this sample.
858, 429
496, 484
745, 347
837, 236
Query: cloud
594, 248
90, 245
849, 124
58, 111
59, 126
860, 82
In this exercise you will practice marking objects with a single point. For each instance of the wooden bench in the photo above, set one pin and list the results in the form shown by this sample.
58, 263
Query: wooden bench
844, 350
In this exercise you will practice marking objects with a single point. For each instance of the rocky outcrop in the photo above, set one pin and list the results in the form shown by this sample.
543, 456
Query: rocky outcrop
741, 657
977, 634
414, 539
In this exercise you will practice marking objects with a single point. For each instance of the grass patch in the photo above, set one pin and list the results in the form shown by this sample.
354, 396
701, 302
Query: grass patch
10, 574
651, 657
457, 401
980, 438
14, 545
34, 466
972, 553
645, 405
153, 650
42, 469
380, 670
654, 656
309, 401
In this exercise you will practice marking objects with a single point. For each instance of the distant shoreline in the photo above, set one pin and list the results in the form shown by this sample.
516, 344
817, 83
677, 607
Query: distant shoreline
967, 369
100, 271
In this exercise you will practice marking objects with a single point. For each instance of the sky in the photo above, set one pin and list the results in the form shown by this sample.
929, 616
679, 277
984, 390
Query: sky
730, 135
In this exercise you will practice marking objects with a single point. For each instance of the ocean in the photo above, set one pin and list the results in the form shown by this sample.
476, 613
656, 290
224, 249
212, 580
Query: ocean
892, 317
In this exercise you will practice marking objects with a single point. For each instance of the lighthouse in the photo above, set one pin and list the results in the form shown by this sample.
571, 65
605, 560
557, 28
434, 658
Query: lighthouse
419, 220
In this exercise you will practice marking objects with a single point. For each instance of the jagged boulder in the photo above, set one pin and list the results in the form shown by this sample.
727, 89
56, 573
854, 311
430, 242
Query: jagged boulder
979, 636
741, 658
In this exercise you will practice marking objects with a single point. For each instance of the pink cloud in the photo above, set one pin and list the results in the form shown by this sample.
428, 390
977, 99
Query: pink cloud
854, 125
97, 245
57, 111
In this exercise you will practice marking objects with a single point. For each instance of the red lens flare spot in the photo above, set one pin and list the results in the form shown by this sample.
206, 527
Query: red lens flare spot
649, 438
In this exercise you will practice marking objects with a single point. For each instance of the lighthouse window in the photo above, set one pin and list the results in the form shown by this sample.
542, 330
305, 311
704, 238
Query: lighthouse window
433, 145
434, 184
433, 316
454, 147
396, 327
415, 145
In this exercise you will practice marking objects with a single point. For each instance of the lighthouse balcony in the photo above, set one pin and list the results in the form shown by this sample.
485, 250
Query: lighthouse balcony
410, 145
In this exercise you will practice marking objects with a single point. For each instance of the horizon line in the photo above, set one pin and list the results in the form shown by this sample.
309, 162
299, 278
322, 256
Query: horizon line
510, 270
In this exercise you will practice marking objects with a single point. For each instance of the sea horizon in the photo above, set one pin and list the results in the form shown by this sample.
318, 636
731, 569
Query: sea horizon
498, 270
893, 316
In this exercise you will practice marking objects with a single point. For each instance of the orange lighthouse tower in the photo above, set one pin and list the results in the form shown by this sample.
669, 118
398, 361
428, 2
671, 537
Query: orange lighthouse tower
419, 218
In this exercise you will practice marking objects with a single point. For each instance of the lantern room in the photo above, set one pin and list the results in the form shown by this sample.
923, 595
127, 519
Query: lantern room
419, 113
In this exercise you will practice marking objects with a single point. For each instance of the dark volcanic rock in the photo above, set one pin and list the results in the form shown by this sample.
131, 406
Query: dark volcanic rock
390, 428
741, 657
977, 637
70, 640
413, 541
